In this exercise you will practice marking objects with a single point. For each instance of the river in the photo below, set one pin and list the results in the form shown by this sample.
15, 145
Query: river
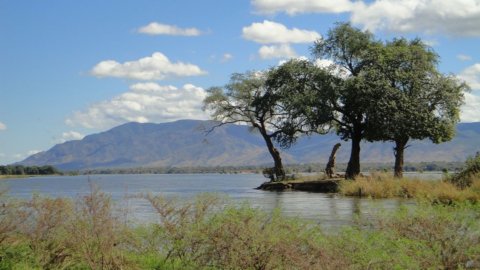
329, 210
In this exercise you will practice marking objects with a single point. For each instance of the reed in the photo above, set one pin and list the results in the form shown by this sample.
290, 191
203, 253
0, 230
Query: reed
383, 185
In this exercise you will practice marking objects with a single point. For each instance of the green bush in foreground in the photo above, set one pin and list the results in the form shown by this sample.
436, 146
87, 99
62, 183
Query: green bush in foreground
210, 233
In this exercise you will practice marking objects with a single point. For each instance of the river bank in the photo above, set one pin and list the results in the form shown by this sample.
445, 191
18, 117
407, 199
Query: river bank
324, 186
382, 186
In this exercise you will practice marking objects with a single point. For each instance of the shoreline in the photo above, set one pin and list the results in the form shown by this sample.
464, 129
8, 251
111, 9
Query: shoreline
321, 186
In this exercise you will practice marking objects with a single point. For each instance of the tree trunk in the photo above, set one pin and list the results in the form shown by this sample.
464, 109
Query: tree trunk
398, 151
277, 160
330, 169
353, 168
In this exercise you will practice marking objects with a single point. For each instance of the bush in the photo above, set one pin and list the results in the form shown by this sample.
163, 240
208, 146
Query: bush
468, 174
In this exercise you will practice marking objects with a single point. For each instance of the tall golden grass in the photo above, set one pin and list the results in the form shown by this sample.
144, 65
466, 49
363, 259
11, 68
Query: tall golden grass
383, 185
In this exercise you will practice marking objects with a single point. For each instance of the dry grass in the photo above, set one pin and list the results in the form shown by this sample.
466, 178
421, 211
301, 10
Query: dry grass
3, 176
382, 185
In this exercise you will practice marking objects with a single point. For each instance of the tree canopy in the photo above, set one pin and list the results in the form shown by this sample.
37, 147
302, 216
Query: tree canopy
245, 99
352, 51
414, 100
363, 88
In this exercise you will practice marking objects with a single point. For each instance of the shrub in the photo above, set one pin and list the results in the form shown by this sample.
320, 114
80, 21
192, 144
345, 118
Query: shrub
468, 174
97, 236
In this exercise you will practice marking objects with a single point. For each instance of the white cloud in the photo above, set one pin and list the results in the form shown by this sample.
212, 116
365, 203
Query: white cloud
293, 7
226, 57
431, 42
71, 135
155, 28
155, 67
144, 102
277, 51
471, 75
471, 109
464, 57
453, 17
270, 32
33, 152
2, 126
335, 69
21, 156
283, 61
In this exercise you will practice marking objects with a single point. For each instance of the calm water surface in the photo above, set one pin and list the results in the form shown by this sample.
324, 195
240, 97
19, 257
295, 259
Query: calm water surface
329, 210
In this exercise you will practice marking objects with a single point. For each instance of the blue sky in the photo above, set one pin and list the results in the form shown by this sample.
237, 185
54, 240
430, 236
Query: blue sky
73, 68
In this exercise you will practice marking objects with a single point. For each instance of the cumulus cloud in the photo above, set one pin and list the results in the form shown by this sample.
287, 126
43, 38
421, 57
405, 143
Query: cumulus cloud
471, 75
156, 28
277, 51
269, 32
2, 126
453, 17
335, 69
293, 7
71, 135
155, 67
464, 57
471, 109
144, 102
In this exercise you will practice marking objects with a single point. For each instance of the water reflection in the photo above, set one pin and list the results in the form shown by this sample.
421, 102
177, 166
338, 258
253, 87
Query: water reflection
329, 210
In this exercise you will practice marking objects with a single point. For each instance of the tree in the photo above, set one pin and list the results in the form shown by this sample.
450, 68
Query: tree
413, 99
245, 99
306, 93
352, 51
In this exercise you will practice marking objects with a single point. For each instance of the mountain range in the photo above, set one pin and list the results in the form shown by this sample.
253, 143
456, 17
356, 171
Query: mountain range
187, 143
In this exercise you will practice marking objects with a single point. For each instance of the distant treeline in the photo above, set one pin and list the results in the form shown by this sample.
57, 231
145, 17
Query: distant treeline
290, 169
28, 170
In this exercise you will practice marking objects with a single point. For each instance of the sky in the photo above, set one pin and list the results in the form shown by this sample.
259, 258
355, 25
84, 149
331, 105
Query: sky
73, 68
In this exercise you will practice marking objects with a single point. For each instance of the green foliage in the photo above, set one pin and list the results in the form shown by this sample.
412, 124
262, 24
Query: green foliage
28, 170
469, 172
18, 256
307, 94
377, 91
414, 100
246, 100
353, 51
334, 96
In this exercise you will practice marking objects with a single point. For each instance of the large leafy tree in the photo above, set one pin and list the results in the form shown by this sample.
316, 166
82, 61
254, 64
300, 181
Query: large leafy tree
413, 99
351, 51
307, 94
245, 99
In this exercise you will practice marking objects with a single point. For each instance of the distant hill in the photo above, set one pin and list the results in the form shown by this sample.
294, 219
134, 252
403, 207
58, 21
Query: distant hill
185, 143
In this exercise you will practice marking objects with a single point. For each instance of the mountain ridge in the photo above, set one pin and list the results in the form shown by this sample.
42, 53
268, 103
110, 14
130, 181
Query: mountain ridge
185, 143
